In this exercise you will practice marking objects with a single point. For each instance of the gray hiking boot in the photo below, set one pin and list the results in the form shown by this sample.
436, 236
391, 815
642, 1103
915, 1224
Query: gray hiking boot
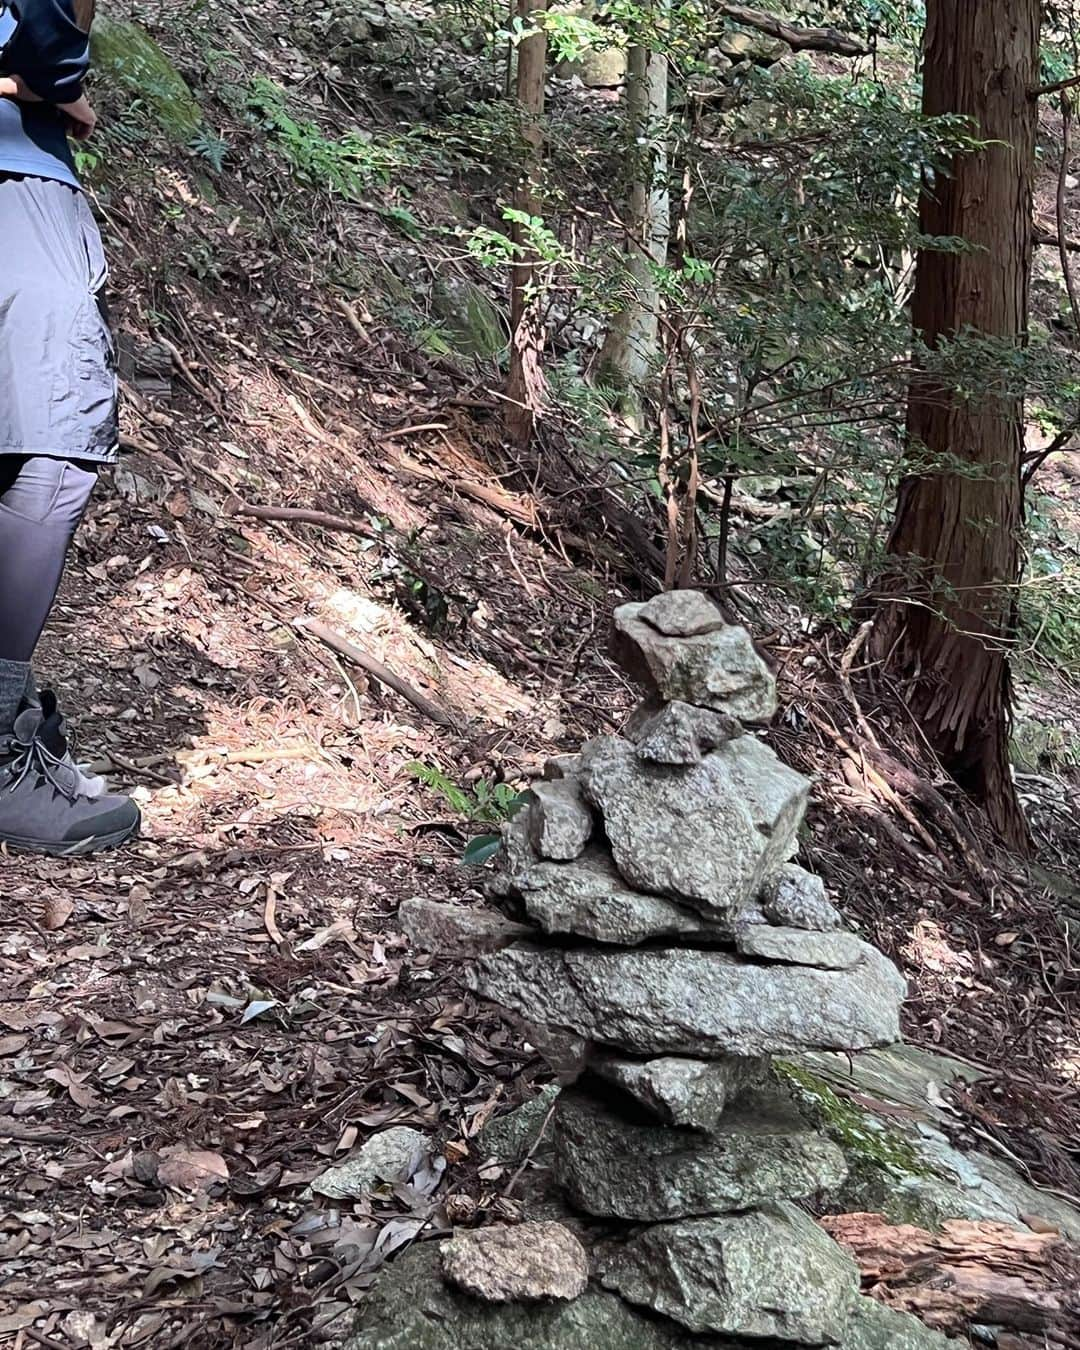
89, 784
42, 806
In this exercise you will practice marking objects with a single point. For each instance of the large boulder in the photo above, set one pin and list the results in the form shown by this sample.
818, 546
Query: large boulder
709, 833
693, 1093
760, 1150
127, 58
771, 1273
679, 647
468, 319
676, 1001
527, 1262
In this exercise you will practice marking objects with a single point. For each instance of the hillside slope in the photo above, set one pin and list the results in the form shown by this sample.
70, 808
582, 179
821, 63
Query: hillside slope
192, 1030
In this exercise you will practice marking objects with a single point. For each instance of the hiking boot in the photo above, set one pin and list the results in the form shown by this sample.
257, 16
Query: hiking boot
42, 807
90, 784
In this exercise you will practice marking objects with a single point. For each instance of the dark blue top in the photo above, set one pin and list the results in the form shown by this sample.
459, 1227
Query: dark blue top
52, 54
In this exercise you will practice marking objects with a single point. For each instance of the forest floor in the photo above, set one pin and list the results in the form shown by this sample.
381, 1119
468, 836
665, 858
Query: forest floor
194, 1028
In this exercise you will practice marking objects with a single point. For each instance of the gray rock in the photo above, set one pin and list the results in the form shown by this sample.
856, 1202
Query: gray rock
679, 733
564, 1051
709, 833
411, 1308
795, 898
589, 897
682, 613
761, 1150
676, 1001
560, 822
799, 946
771, 1273
873, 1326
509, 1138
527, 1262
432, 926
717, 669
560, 766
386, 1157
679, 1091
758, 49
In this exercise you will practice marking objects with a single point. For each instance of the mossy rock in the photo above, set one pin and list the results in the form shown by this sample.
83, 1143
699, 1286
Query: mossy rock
469, 322
1037, 746
125, 55
754, 47
886, 1171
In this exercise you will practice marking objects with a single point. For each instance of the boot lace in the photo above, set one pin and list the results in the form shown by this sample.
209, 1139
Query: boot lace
36, 757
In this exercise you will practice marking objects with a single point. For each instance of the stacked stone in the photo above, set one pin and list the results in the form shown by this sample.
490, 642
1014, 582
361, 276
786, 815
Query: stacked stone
679, 950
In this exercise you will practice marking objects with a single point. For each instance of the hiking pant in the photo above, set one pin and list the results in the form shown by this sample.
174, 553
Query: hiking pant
42, 501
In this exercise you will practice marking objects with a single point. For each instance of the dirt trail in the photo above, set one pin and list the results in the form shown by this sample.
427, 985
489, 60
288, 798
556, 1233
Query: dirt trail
194, 1028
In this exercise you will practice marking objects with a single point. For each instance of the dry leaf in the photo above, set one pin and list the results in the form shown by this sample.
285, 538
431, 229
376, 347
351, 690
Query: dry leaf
192, 1169
58, 909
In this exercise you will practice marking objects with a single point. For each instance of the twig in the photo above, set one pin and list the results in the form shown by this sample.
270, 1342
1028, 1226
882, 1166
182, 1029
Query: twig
20, 1136
508, 1190
39, 1339
140, 770
354, 323
185, 370
301, 516
414, 431
375, 668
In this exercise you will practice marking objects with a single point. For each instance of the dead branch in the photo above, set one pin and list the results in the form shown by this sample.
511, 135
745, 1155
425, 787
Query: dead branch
829, 40
969, 1272
375, 668
301, 516
1052, 239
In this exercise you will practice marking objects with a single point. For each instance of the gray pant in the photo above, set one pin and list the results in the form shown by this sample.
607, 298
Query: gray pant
42, 501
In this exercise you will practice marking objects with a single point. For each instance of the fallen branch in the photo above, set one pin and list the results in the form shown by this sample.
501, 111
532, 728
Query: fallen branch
375, 668
829, 40
969, 1272
301, 516
1051, 239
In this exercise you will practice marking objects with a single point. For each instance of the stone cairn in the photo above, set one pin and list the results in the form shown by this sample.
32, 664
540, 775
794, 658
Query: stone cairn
674, 950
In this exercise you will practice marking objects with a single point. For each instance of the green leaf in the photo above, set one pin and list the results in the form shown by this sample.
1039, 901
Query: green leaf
481, 849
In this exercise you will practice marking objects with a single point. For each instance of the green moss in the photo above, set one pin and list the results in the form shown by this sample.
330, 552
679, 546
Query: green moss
470, 322
126, 56
865, 1141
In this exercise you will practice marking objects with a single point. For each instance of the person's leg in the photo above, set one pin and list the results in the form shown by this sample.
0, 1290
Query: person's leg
46, 805
42, 501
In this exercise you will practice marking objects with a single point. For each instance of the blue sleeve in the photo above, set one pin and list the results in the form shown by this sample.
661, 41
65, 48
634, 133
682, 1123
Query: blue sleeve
50, 51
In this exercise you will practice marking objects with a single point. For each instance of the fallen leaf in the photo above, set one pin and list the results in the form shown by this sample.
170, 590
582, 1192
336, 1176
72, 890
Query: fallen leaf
192, 1169
58, 909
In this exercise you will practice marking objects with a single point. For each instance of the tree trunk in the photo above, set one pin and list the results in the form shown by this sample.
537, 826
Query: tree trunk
525, 381
630, 349
946, 617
